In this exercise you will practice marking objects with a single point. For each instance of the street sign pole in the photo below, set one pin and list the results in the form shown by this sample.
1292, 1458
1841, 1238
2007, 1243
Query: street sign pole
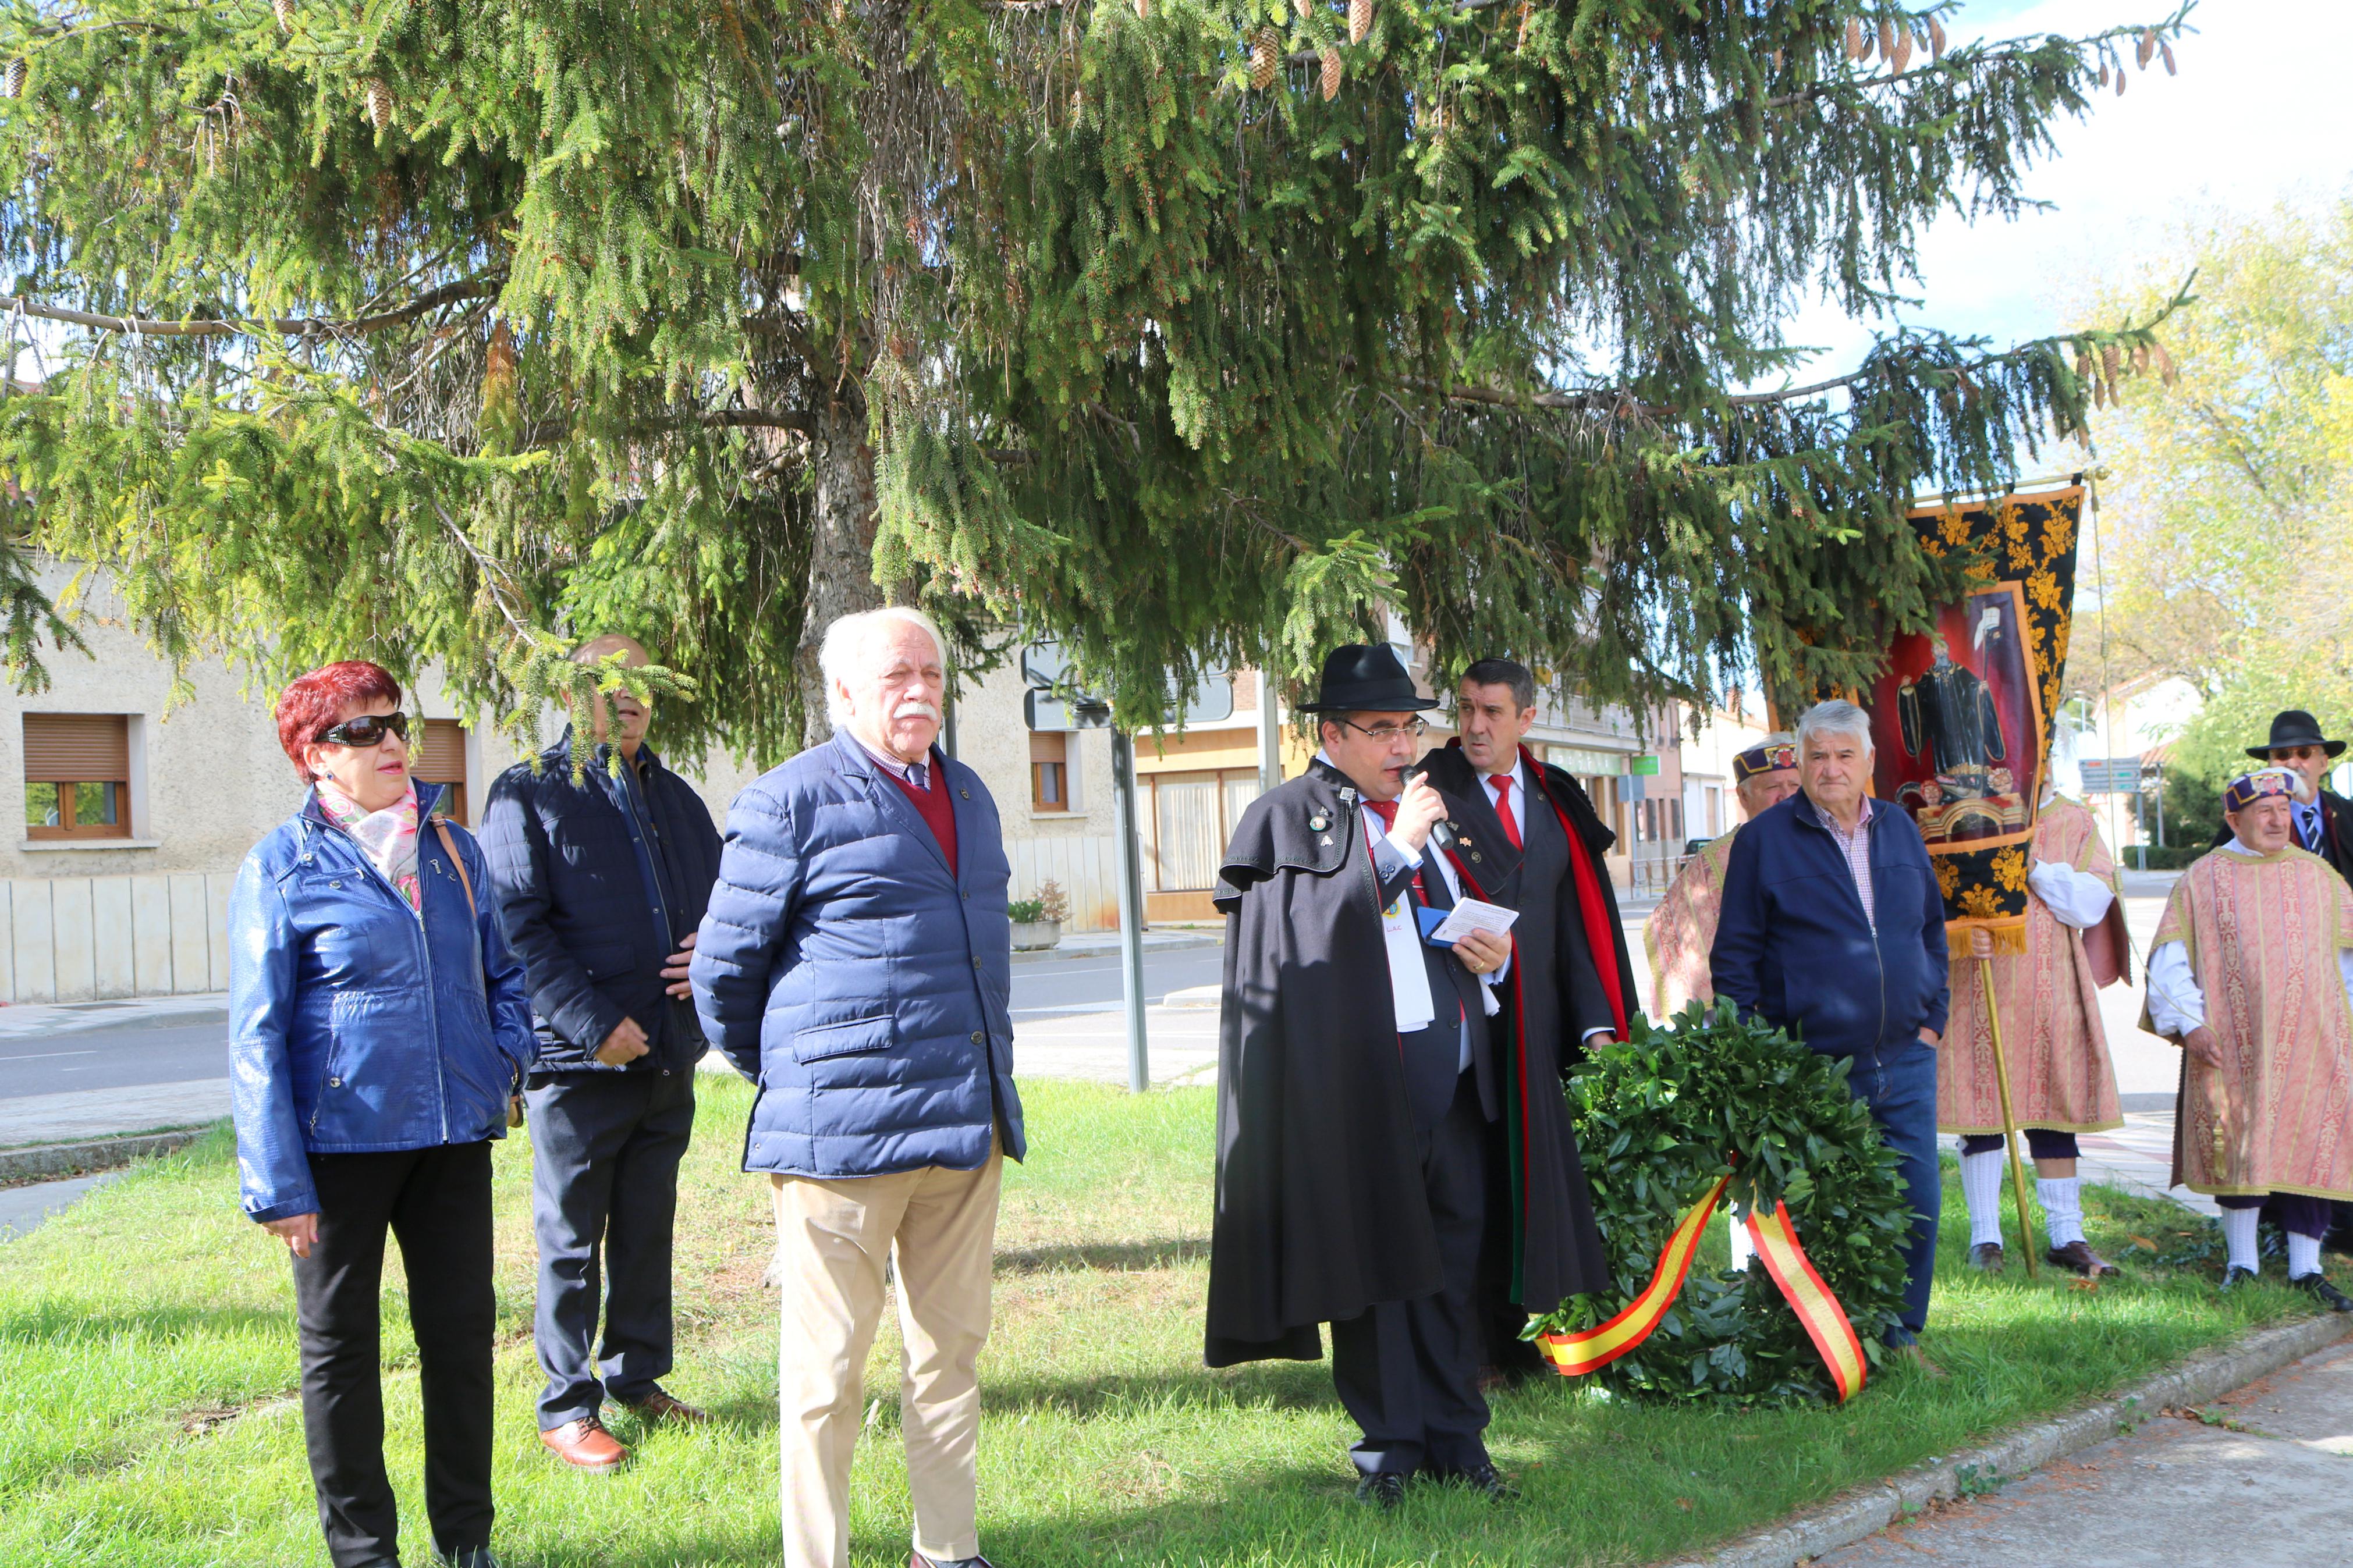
1130, 905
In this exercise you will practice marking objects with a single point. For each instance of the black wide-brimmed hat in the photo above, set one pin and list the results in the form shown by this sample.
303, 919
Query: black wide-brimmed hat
1366, 678
2294, 727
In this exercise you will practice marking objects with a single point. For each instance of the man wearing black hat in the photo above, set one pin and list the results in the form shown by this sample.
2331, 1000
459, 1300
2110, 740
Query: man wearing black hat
2324, 819
1352, 1140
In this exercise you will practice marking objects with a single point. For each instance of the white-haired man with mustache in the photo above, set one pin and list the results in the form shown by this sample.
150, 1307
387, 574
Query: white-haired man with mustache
856, 964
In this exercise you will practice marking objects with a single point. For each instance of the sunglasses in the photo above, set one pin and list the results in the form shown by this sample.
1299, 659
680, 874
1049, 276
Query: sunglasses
366, 731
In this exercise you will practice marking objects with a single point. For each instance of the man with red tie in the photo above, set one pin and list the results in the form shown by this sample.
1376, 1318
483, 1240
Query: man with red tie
1525, 835
1355, 1093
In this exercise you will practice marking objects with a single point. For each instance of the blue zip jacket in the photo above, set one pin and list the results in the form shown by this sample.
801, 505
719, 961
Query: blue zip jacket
1792, 944
353, 1026
860, 985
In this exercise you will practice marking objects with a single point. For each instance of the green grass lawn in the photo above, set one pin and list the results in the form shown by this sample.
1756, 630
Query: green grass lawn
147, 1355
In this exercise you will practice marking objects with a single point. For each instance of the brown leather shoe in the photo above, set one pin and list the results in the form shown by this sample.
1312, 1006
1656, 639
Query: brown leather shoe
659, 1406
2079, 1257
1985, 1258
585, 1445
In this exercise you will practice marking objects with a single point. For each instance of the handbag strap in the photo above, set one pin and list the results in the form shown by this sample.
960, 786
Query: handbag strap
441, 826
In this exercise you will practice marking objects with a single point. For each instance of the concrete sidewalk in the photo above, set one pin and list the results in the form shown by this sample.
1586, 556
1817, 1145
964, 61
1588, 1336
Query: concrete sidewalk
2258, 1479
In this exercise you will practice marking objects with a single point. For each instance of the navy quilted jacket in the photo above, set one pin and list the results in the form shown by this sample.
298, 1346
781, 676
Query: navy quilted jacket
356, 1025
860, 985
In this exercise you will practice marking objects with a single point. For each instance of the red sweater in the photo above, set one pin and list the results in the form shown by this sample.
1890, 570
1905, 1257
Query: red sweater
934, 807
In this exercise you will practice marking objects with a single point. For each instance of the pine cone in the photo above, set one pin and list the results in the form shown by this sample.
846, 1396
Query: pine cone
1936, 39
284, 11
2121, 79
2166, 370
2109, 360
1265, 56
2104, 75
14, 87
1886, 39
1902, 56
2147, 47
1142, 9
1302, 7
1854, 38
1331, 58
2167, 50
1360, 20
2140, 360
379, 102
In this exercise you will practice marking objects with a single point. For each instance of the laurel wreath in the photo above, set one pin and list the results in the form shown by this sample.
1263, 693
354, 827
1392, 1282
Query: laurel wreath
1659, 1118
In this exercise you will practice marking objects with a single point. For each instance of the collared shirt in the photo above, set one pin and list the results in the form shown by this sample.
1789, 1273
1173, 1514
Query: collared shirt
915, 773
1518, 793
1856, 848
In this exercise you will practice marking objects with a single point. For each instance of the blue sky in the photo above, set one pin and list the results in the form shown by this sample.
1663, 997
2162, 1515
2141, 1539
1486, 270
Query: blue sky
2258, 116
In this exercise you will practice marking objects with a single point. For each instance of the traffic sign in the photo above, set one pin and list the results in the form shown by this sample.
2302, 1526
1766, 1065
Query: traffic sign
1052, 703
2111, 775
1042, 711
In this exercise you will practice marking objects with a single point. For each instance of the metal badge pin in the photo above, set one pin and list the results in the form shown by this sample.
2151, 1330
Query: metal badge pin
1318, 823
1325, 839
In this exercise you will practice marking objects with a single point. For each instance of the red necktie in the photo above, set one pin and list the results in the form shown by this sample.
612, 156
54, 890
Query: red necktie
1386, 811
1502, 784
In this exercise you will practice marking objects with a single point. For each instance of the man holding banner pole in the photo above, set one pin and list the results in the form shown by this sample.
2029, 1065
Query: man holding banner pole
1833, 929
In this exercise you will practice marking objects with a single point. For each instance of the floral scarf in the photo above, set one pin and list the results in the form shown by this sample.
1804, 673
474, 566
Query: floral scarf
388, 837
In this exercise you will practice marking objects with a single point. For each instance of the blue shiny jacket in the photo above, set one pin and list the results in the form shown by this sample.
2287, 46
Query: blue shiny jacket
859, 983
354, 1027
1793, 945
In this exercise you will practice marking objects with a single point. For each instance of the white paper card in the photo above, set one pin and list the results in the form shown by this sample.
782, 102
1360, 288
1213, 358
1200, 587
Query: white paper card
1473, 914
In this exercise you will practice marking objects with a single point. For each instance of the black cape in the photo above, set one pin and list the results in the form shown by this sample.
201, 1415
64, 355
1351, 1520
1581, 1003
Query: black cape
1544, 1247
1321, 1208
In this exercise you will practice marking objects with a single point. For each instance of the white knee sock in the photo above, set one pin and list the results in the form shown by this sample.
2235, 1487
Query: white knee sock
1744, 1249
1982, 1186
2303, 1255
2063, 1208
2239, 1236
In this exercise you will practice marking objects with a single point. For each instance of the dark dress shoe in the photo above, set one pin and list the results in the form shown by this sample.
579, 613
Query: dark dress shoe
470, 1557
1483, 1479
2330, 1297
917, 1560
1383, 1490
1985, 1258
659, 1406
2080, 1258
2234, 1276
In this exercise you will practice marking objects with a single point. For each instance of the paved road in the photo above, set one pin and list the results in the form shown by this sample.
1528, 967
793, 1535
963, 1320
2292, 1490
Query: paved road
110, 1054
1049, 987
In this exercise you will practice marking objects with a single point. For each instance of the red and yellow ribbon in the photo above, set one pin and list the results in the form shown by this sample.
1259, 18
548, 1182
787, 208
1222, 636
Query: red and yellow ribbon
1590, 1350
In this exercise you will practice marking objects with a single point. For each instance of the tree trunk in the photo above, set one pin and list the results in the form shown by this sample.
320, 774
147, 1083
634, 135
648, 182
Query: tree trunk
841, 548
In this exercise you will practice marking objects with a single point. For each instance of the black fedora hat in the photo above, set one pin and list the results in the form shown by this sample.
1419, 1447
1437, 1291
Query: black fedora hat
1366, 678
2294, 727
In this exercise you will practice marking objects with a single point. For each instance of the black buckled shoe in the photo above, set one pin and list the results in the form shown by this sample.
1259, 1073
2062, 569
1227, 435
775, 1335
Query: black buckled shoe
1383, 1490
2078, 1258
2330, 1297
917, 1560
2234, 1276
470, 1557
1484, 1478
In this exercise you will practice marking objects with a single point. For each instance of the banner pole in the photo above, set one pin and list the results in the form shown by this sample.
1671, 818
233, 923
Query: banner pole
2008, 1118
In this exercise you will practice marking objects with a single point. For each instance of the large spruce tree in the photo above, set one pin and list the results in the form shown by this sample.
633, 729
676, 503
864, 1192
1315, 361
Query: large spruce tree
1191, 331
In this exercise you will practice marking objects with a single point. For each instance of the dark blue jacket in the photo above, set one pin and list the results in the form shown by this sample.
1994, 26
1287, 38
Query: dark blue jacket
598, 883
1793, 947
353, 1024
863, 988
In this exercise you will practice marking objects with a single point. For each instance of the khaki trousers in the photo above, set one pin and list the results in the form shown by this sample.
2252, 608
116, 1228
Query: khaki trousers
832, 1237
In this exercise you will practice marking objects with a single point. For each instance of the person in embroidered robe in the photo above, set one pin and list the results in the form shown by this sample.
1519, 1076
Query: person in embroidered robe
2061, 1079
1352, 1137
2251, 973
1679, 932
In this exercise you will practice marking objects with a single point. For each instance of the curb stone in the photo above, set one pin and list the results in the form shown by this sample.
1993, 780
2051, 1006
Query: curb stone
1865, 1510
45, 1161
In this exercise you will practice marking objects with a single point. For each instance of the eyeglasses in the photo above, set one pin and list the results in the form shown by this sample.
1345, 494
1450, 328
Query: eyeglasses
1385, 733
366, 731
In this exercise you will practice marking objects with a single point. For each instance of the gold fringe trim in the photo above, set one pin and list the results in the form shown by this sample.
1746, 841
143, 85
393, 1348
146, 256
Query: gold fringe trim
2009, 935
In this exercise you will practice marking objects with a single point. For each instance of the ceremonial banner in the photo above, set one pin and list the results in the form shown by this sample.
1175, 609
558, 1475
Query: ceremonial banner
1961, 720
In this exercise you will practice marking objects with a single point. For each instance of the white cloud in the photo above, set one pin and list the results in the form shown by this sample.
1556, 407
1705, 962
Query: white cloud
2257, 116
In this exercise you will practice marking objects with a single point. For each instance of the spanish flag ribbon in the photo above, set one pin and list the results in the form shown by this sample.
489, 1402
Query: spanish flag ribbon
1817, 1308
1573, 1355
1590, 1350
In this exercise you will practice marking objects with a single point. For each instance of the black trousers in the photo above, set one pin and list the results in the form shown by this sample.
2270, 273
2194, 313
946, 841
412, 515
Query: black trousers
437, 1203
1407, 1372
604, 1154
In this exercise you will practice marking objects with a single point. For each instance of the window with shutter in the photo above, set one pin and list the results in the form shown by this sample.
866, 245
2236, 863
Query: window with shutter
1049, 770
441, 759
77, 775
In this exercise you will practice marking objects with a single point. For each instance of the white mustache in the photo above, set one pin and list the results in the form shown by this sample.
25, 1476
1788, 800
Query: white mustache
916, 710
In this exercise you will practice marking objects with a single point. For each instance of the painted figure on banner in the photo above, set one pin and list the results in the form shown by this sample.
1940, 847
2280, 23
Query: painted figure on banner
1955, 740
2061, 1081
1528, 838
1679, 932
1355, 1140
2252, 973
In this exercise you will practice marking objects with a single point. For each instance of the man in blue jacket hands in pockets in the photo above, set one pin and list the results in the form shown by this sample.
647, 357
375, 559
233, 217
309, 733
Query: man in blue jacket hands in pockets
1833, 929
856, 964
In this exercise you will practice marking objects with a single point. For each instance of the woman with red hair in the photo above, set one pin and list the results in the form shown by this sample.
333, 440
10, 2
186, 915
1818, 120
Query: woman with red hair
378, 1025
